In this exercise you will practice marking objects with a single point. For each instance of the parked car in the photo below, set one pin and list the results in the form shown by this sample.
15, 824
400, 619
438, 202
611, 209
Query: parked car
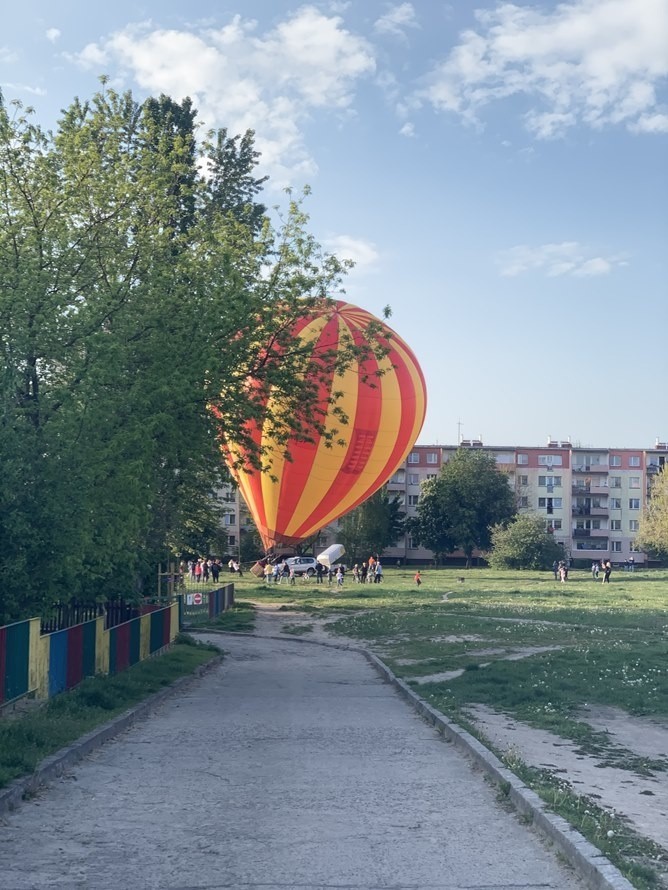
303, 565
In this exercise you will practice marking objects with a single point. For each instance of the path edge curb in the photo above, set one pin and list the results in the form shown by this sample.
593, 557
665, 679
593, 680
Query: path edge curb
55, 765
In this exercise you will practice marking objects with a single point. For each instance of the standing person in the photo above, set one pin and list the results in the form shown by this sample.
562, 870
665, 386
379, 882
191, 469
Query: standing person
632, 564
371, 574
268, 573
319, 570
198, 571
563, 572
215, 570
555, 569
292, 574
594, 570
378, 572
418, 578
363, 573
339, 577
607, 571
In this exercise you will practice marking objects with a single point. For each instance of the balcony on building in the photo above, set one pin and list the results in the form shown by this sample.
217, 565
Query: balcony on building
590, 468
590, 532
588, 510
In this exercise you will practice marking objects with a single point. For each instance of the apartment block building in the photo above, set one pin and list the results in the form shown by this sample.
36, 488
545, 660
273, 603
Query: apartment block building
591, 499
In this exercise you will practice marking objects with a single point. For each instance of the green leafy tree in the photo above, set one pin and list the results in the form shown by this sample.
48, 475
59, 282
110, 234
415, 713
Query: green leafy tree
459, 508
523, 544
136, 298
653, 533
369, 529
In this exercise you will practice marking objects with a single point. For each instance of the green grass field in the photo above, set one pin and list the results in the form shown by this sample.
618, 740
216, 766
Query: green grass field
611, 640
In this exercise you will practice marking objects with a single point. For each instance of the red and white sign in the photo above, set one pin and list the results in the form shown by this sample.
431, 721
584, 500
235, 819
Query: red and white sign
197, 599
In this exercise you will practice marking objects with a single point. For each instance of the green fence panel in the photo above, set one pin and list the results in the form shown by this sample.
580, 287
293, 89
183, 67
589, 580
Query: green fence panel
89, 648
17, 663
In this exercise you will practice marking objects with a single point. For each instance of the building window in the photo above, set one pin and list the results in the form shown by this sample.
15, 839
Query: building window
229, 519
553, 525
522, 459
615, 525
413, 458
522, 480
634, 503
523, 501
634, 525
231, 540
616, 546
615, 460
634, 460
634, 482
615, 503
410, 543
554, 481
615, 482
550, 503
413, 479
399, 477
431, 475
432, 457
549, 460
413, 500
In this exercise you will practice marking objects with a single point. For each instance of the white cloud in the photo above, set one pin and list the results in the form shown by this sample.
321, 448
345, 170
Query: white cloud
407, 130
363, 253
396, 20
52, 34
272, 82
554, 260
592, 62
25, 88
7, 55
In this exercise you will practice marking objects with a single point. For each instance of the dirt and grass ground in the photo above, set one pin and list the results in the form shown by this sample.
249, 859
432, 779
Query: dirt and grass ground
568, 683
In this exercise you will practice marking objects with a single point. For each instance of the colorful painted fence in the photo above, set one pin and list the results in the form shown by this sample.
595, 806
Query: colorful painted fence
204, 604
49, 664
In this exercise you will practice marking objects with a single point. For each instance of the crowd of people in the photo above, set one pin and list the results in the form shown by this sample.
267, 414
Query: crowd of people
205, 569
369, 572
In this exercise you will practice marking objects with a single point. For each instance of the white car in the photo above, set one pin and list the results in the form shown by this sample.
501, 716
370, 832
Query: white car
303, 565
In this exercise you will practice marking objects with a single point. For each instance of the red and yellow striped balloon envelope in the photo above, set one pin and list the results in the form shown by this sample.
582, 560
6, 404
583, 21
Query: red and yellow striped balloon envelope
298, 497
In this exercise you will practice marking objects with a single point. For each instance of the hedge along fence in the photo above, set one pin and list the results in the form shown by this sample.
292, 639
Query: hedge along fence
49, 664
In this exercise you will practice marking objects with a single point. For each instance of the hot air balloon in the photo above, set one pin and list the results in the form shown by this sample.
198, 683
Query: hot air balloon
320, 482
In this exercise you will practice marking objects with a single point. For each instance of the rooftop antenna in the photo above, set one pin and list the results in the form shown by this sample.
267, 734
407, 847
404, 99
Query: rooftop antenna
459, 432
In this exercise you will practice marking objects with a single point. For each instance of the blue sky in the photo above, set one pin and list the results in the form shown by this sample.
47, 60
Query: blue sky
497, 170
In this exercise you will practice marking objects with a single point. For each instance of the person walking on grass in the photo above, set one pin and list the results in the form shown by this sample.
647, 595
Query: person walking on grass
607, 571
418, 578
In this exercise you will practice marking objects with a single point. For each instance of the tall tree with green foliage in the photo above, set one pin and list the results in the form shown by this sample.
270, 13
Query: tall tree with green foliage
458, 509
524, 544
653, 533
369, 529
136, 298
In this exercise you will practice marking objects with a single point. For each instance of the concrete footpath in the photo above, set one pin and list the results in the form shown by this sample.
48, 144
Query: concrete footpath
288, 766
